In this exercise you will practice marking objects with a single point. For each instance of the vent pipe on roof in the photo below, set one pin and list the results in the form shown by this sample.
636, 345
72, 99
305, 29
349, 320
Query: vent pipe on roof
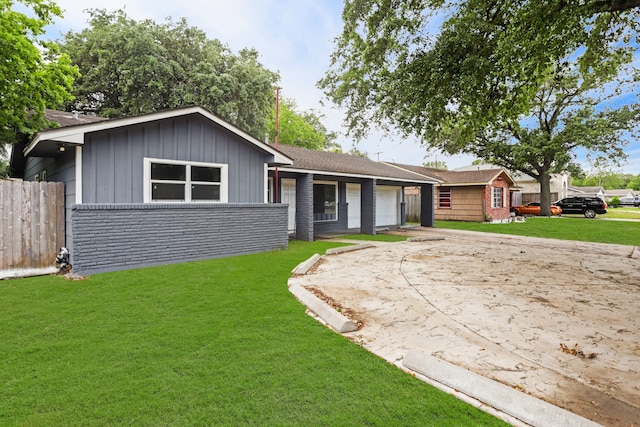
75, 114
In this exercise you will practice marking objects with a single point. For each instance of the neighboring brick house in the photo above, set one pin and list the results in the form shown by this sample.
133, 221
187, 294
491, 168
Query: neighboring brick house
476, 195
528, 188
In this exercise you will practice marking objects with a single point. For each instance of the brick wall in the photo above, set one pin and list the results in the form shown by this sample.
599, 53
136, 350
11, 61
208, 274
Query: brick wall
122, 236
500, 213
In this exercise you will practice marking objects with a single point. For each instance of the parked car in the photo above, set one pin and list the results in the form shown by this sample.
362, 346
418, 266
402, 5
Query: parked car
533, 208
630, 201
588, 206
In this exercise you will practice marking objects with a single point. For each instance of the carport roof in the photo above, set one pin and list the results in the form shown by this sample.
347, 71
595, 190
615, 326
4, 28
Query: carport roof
340, 164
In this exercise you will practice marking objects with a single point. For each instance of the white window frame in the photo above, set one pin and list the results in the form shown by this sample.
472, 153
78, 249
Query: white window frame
494, 196
335, 185
224, 180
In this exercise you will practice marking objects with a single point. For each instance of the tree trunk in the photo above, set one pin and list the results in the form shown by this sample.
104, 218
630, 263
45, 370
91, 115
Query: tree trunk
545, 194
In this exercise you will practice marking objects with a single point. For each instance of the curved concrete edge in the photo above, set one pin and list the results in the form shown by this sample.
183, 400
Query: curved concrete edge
305, 266
334, 319
344, 249
521, 406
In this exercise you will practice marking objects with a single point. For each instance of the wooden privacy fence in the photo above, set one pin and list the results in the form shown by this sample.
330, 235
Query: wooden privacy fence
412, 202
32, 229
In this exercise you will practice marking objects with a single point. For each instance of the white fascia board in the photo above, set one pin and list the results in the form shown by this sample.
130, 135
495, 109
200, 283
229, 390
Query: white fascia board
353, 175
66, 135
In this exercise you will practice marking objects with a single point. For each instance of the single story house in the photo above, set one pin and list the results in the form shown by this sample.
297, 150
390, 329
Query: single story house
528, 188
183, 184
473, 195
594, 191
330, 192
156, 188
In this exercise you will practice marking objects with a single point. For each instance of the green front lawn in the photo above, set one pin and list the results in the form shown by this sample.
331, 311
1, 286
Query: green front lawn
625, 212
565, 228
219, 342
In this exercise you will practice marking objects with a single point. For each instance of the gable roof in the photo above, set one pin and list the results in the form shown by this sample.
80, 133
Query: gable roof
340, 164
72, 132
459, 178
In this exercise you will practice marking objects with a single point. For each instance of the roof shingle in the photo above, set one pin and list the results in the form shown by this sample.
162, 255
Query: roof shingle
346, 164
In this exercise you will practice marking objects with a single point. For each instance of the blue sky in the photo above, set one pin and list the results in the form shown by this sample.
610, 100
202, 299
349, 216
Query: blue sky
293, 37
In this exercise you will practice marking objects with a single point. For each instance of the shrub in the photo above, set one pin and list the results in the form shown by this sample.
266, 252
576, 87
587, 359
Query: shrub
615, 202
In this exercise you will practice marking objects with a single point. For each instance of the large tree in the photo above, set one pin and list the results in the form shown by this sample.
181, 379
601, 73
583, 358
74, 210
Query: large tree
302, 129
470, 85
570, 110
33, 73
130, 67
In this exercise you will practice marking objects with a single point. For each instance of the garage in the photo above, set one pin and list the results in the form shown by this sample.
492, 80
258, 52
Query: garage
388, 200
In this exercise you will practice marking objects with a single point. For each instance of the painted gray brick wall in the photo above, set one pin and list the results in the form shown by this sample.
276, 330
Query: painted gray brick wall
123, 236
426, 206
304, 208
368, 214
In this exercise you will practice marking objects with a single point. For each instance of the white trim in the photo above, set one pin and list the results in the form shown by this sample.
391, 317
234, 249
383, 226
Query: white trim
79, 175
266, 183
493, 197
224, 180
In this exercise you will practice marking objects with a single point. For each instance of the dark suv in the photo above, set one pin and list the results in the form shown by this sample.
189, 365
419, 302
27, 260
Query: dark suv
588, 206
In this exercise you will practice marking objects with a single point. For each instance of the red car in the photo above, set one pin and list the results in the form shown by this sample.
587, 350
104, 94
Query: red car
533, 208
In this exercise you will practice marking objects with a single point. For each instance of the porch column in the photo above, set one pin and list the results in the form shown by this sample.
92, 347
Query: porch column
368, 214
426, 205
304, 207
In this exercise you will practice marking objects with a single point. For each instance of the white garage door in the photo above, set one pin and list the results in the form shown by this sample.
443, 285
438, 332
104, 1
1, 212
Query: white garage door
353, 205
387, 205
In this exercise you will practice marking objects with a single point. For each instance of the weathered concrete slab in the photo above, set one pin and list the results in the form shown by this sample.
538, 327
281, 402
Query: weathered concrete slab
555, 319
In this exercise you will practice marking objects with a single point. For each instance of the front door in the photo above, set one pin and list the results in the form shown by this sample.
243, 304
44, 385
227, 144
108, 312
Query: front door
353, 205
288, 196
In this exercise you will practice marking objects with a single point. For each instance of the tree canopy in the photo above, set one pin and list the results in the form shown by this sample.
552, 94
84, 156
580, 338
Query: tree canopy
419, 65
33, 73
302, 129
511, 82
130, 67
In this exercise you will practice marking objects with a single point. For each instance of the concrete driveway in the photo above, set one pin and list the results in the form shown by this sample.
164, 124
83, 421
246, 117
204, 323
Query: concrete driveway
557, 320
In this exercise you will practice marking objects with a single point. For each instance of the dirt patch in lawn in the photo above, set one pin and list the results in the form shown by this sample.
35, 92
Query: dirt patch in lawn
554, 319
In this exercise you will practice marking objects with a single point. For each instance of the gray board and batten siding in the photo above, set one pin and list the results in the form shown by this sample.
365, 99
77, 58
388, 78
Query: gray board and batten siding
111, 227
112, 160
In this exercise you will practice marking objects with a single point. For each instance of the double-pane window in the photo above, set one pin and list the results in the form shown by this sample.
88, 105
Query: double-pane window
174, 181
